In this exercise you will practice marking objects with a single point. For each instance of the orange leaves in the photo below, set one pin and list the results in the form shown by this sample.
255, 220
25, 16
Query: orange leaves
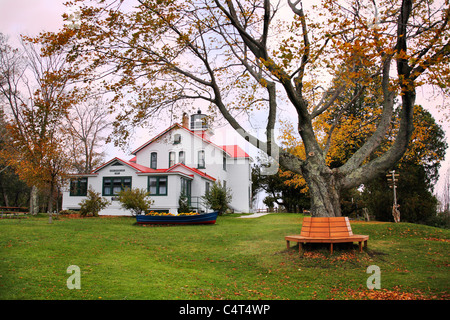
427, 145
343, 256
314, 255
396, 293
294, 146
294, 180
437, 239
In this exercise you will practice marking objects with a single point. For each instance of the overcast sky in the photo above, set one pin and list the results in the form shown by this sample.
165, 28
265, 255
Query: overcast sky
30, 17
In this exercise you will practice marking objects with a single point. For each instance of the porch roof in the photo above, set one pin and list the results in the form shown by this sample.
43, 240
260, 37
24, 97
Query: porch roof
146, 170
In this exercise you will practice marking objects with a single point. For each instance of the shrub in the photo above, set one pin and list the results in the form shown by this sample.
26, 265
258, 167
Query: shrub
93, 204
218, 197
183, 204
136, 200
440, 220
68, 212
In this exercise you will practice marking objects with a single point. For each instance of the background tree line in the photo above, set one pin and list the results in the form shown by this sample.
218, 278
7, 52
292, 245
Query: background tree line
50, 127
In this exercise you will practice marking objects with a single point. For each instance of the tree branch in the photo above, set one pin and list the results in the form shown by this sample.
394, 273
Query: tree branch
357, 176
305, 56
374, 141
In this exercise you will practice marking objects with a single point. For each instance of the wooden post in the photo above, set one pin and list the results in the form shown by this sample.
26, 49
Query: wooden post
392, 179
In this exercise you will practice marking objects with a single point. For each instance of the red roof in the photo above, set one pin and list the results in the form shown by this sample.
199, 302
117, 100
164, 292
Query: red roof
144, 169
235, 151
138, 167
200, 173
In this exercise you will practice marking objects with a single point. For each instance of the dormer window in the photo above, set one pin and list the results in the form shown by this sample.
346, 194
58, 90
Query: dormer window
177, 138
181, 157
153, 160
201, 159
171, 159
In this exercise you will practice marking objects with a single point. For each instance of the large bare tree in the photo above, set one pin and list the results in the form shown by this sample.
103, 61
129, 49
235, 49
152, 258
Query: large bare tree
33, 93
261, 56
87, 121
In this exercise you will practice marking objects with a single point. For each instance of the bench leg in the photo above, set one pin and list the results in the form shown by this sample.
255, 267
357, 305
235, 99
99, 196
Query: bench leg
361, 247
287, 244
300, 248
331, 248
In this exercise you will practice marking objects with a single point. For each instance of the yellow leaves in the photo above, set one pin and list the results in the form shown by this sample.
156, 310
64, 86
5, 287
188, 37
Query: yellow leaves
291, 142
294, 180
263, 82
294, 146
275, 69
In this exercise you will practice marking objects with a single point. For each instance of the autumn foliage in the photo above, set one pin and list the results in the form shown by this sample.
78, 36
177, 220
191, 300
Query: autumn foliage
262, 58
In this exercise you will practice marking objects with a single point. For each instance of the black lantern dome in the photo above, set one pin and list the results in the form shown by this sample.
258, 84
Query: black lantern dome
198, 121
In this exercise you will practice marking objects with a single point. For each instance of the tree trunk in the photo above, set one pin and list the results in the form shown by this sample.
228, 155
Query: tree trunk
324, 183
34, 203
50, 203
5, 195
325, 195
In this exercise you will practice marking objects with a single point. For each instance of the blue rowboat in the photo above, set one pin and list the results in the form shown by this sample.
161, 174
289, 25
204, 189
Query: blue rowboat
205, 218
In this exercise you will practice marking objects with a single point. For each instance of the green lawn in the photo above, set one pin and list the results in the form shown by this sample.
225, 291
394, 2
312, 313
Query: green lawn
233, 259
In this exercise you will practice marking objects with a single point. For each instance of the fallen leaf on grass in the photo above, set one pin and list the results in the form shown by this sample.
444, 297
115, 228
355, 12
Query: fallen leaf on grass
437, 239
395, 293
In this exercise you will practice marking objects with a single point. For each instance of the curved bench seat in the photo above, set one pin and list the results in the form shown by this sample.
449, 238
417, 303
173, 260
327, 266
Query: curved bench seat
326, 230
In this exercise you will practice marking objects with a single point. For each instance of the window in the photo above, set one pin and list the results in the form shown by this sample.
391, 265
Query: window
186, 188
153, 160
78, 187
157, 186
201, 159
181, 157
171, 159
113, 185
177, 138
207, 187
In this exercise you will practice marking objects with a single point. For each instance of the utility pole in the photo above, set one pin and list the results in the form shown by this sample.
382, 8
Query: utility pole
392, 179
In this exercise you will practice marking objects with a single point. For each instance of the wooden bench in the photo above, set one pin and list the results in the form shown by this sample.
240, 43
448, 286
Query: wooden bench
326, 230
13, 211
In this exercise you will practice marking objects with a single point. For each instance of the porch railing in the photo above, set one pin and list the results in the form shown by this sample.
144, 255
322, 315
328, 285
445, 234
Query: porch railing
198, 205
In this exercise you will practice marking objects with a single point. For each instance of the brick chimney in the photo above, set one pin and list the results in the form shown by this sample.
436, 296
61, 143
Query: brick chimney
185, 121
